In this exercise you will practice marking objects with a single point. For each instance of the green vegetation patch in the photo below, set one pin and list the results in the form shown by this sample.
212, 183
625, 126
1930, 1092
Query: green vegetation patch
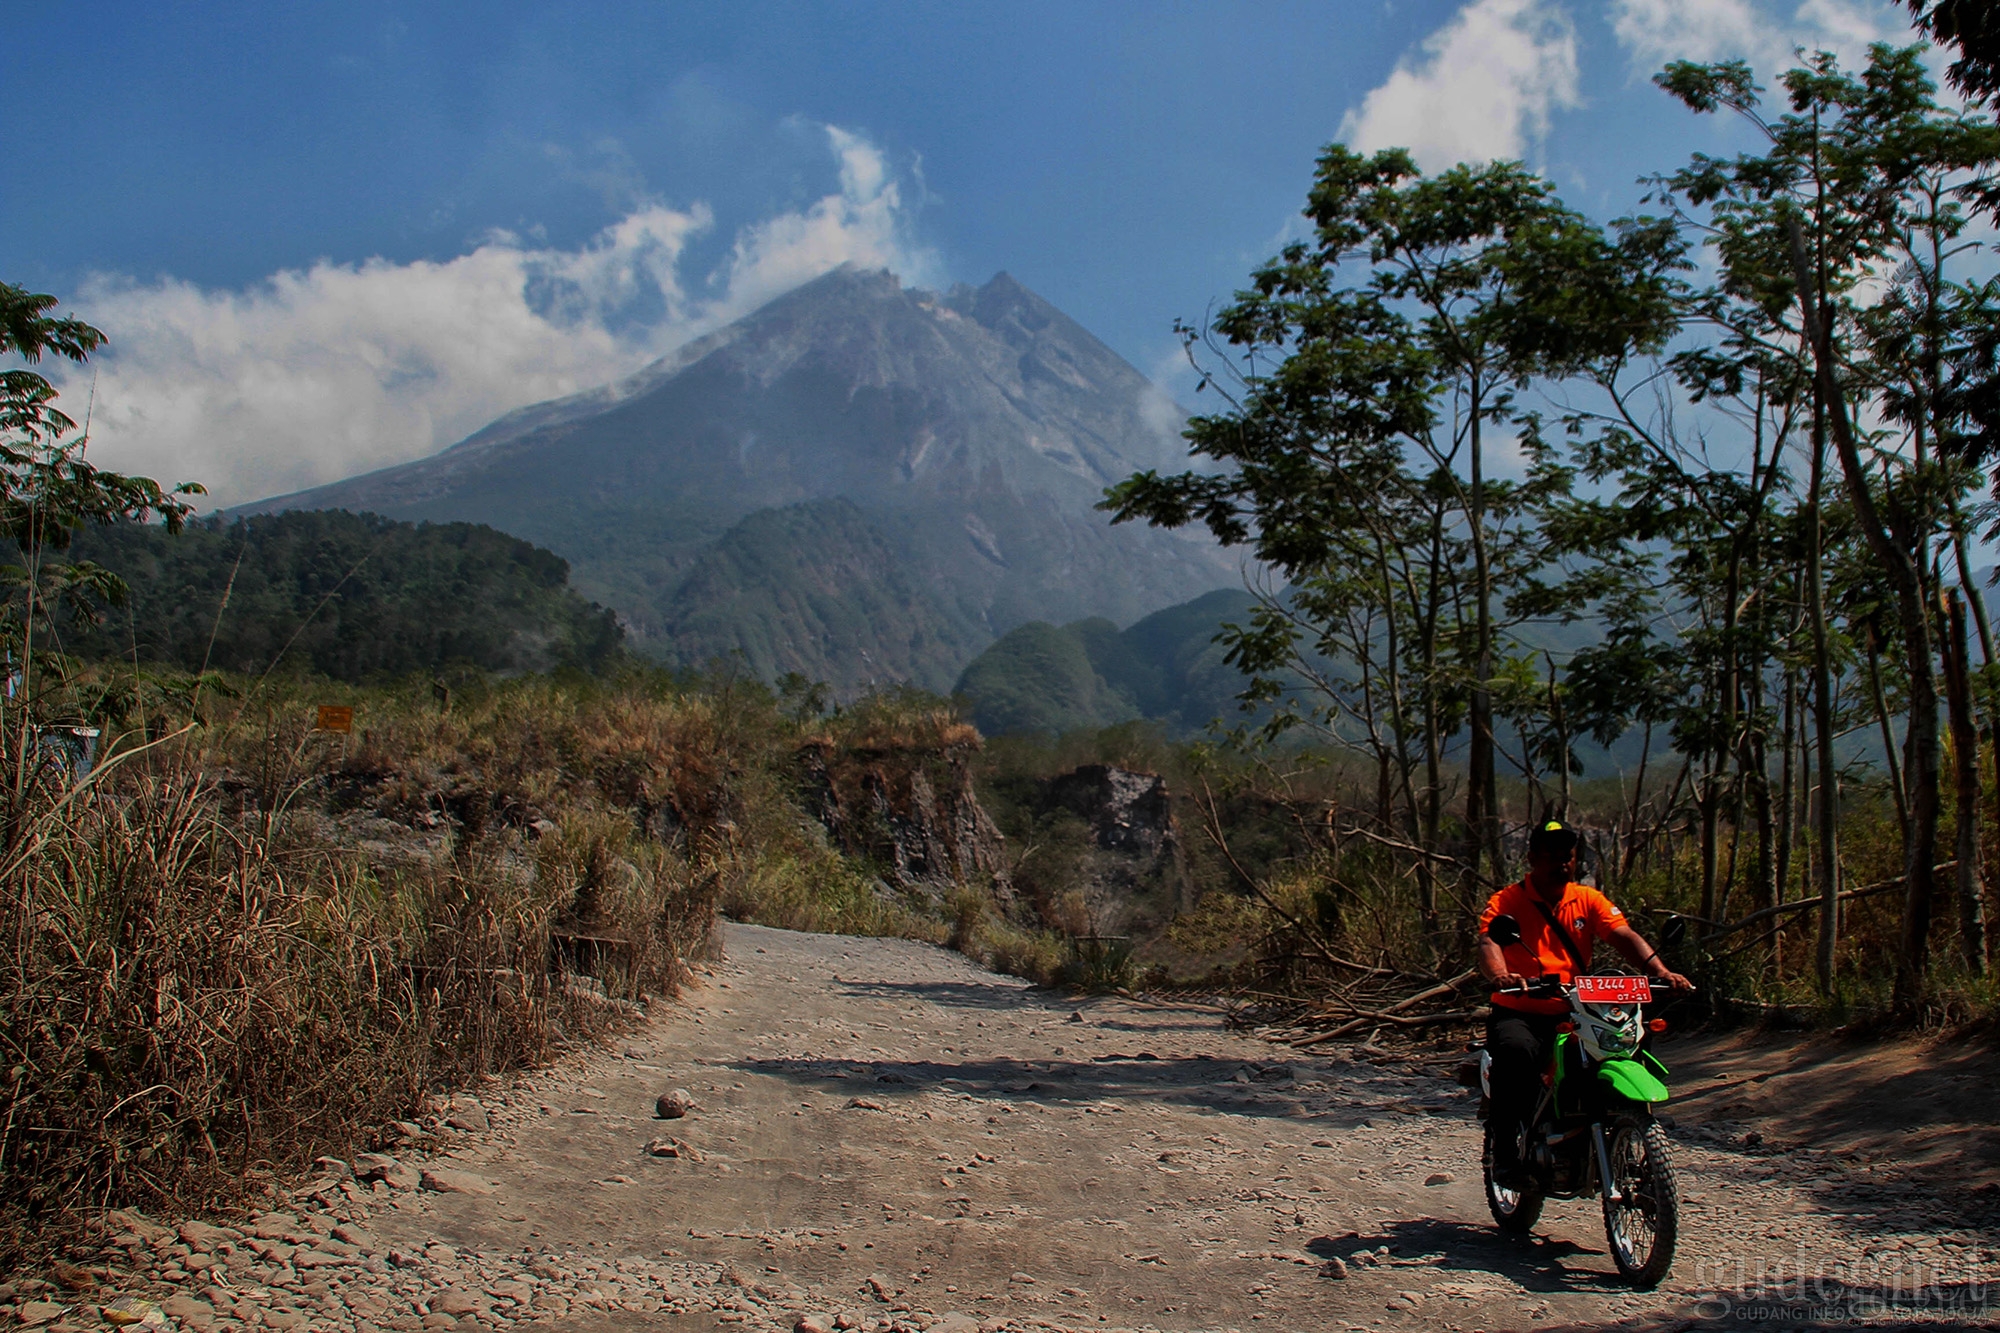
354, 597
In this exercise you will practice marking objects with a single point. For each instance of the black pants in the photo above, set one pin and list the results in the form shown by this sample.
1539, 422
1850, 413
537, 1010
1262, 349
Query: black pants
1520, 1044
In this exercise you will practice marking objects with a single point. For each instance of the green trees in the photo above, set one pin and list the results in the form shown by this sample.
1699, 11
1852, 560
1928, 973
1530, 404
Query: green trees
48, 492
1743, 439
1845, 240
354, 597
1383, 359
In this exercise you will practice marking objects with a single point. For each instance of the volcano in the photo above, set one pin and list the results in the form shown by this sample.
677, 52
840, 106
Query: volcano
859, 482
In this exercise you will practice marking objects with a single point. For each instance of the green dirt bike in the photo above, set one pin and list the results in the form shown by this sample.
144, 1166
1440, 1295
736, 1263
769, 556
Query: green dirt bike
1593, 1132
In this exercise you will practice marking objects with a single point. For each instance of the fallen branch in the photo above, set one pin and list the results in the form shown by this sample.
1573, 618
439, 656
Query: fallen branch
1807, 904
1389, 1015
1401, 1020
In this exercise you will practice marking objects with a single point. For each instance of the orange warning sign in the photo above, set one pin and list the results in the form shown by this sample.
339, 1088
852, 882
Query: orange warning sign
335, 717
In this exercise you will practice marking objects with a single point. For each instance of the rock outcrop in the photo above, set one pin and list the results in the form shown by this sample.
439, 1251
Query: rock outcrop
908, 807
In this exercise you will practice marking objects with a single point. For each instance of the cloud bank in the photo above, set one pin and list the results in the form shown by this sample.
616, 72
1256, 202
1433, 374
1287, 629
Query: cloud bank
317, 374
1654, 32
1482, 88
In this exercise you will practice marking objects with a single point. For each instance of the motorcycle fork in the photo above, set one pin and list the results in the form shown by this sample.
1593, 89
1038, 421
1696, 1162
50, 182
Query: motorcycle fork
1605, 1184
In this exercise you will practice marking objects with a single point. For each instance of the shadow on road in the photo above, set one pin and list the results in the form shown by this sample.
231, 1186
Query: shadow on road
1140, 1078
1539, 1264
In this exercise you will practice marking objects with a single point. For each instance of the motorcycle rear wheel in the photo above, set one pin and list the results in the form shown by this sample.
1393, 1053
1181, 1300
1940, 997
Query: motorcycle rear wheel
1515, 1211
1641, 1201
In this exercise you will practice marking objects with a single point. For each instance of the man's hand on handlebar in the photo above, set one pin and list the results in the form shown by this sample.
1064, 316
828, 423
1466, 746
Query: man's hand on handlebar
1675, 981
1513, 981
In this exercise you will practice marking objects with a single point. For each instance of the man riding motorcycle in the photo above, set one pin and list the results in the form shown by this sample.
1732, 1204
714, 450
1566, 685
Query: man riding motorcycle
1559, 921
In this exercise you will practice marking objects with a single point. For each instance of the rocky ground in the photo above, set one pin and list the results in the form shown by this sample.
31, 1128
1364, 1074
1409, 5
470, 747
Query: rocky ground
882, 1136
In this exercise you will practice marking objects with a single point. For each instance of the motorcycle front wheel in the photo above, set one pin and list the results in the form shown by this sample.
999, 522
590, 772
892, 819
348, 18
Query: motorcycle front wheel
1516, 1211
1642, 1202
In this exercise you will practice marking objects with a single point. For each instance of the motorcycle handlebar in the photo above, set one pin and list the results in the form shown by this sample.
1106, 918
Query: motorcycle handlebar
1547, 986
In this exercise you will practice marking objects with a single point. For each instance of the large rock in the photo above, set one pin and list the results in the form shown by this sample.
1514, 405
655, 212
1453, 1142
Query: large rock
1128, 812
901, 795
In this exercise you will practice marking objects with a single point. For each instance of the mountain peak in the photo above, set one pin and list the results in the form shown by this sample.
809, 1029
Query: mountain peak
975, 431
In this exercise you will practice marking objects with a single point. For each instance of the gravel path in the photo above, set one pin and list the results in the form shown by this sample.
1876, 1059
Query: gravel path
886, 1137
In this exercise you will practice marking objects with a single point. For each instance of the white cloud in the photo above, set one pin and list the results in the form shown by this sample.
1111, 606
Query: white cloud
317, 374
1654, 32
1482, 89
864, 224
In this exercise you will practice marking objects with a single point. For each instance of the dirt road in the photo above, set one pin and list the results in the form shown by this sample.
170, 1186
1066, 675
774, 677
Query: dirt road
888, 1137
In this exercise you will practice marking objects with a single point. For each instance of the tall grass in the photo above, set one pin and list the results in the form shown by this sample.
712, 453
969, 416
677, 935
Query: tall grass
250, 944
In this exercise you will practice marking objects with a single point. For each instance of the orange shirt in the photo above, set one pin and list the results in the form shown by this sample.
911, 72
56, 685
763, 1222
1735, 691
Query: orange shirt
1588, 915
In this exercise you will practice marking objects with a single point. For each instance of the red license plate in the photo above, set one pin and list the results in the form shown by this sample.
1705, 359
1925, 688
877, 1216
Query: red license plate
1614, 990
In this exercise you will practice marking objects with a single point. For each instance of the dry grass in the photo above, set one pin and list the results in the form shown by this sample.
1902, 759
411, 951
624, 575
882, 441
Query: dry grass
250, 945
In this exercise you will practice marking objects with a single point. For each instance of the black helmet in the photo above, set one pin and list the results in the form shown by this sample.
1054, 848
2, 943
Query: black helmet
1553, 836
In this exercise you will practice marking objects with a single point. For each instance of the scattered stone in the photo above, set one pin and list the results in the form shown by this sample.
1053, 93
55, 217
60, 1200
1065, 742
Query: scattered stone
1334, 1268
187, 1309
543, 828
1438, 1178
1076, 1015
274, 1226
138, 1224
1323, 1143
954, 1321
444, 1181
1023, 1279
333, 1167
865, 1104
468, 1115
810, 1324
673, 1148
33, 1314
202, 1236
457, 1303
408, 1129
673, 1105
372, 1165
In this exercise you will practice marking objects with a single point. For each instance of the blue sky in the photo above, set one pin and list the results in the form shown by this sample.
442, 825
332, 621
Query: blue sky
329, 237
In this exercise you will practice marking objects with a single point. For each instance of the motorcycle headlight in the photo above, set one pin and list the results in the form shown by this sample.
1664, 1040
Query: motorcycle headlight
1618, 1031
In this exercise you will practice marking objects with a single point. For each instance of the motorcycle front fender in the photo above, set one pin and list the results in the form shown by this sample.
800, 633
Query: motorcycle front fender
1633, 1081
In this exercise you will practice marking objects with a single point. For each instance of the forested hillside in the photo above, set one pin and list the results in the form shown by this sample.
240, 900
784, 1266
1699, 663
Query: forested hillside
353, 597
1168, 668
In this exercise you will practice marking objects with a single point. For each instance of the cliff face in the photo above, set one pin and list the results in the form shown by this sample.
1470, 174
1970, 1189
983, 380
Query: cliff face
970, 436
910, 810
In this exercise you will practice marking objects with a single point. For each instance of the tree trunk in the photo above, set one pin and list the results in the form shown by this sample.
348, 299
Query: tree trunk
1482, 796
1827, 811
1705, 803
1957, 657
1887, 723
1788, 776
1893, 537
